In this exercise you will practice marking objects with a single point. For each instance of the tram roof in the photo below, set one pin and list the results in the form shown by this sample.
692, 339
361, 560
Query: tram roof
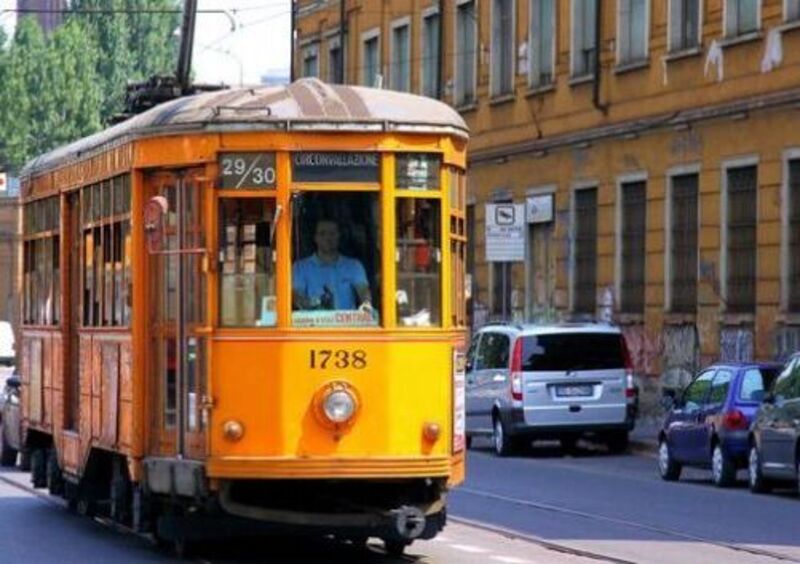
307, 104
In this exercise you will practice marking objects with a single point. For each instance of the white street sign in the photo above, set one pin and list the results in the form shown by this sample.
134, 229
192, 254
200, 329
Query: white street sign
539, 208
505, 232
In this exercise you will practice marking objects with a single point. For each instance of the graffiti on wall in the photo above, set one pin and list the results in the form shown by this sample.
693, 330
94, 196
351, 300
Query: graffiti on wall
681, 355
736, 344
787, 342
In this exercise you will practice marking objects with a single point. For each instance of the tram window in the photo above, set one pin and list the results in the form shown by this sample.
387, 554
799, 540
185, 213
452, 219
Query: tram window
41, 280
247, 291
107, 253
336, 259
418, 298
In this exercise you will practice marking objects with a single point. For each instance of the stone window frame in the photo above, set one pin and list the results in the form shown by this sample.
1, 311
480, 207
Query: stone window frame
672, 49
496, 82
533, 79
399, 23
728, 34
428, 13
791, 154
618, 43
367, 36
576, 187
462, 101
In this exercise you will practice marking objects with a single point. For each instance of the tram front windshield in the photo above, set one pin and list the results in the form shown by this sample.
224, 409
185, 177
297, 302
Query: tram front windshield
335, 259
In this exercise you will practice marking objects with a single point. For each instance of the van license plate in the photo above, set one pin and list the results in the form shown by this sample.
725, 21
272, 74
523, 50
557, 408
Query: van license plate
573, 391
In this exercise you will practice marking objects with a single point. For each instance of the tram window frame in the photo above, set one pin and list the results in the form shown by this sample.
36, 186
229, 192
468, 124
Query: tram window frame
457, 182
268, 318
106, 260
41, 262
417, 257
320, 211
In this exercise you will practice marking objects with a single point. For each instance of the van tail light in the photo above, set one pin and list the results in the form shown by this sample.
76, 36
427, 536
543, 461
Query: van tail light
734, 420
516, 371
630, 388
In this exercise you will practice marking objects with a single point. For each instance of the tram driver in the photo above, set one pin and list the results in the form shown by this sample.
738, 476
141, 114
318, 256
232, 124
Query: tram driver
327, 279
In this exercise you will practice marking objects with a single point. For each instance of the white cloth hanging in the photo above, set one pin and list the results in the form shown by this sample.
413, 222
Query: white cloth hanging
773, 51
715, 57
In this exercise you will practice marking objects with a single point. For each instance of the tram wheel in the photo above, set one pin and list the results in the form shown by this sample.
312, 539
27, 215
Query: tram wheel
394, 547
55, 480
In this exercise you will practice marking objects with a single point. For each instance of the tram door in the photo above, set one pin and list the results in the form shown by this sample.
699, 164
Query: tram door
177, 309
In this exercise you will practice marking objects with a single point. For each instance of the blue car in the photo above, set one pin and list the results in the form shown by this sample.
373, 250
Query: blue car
707, 425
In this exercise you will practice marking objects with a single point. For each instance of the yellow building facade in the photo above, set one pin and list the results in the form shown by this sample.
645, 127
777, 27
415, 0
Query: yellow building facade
656, 171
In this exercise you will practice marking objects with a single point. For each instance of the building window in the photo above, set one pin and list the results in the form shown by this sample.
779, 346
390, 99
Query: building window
632, 34
584, 41
632, 252
501, 290
401, 75
466, 53
311, 62
740, 295
335, 74
794, 235
585, 254
430, 55
502, 47
371, 58
41, 260
684, 24
683, 243
741, 17
541, 44
106, 210
791, 10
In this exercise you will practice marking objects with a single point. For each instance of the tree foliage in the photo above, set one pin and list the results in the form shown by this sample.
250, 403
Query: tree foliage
58, 88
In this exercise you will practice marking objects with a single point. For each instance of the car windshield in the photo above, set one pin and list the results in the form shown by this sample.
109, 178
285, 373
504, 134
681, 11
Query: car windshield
755, 381
572, 351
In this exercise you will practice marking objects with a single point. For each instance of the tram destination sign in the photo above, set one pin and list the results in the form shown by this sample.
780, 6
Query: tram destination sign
336, 167
240, 171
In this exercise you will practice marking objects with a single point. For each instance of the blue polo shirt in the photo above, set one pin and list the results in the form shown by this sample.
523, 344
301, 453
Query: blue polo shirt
310, 276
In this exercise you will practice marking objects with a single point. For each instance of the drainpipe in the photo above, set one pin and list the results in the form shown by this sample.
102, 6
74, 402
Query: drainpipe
598, 30
440, 65
342, 16
292, 25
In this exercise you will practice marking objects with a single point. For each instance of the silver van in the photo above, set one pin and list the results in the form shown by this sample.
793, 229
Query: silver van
550, 382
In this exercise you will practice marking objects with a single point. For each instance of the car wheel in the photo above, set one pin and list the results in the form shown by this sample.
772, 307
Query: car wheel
618, 442
39, 468
395, 547
669, 469
503, 444
723, 471
8, 456
755, 475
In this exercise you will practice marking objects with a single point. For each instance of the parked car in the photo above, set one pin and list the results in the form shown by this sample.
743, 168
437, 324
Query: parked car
775, 435
707, 425
7, 351
10, 439
550, 382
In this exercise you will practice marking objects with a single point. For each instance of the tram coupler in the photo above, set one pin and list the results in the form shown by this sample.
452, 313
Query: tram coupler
409, 522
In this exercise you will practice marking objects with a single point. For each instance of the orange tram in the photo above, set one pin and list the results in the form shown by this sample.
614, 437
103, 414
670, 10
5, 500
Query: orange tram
244, 311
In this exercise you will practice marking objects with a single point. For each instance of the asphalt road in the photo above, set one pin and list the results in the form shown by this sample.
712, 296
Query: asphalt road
618, 507
37, 529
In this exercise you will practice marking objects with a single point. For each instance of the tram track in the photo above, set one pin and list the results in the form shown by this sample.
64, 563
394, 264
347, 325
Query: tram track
566, 511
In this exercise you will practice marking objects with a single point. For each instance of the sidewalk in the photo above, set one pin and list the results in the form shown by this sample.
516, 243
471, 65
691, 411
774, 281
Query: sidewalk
644, 437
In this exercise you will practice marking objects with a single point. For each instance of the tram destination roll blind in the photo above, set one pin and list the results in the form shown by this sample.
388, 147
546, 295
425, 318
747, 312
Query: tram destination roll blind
336, 167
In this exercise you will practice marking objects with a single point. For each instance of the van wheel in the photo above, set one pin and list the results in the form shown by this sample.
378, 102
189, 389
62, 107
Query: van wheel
503, 444
668, 468
755, 475
8, 457
618, 442
723, 472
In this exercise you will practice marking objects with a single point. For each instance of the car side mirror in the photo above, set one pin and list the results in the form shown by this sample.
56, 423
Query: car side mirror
469, 365
769, 398
13, 382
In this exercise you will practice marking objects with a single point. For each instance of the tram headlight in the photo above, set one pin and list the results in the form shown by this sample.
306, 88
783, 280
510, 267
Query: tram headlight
339, 406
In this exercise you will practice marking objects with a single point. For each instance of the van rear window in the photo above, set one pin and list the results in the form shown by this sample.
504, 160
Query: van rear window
572, 351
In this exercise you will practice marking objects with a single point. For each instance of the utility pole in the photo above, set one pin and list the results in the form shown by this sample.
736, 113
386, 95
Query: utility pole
342, 28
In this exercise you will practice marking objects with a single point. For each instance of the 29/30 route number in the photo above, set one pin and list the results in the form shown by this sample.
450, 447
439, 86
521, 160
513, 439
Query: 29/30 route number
320, 359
